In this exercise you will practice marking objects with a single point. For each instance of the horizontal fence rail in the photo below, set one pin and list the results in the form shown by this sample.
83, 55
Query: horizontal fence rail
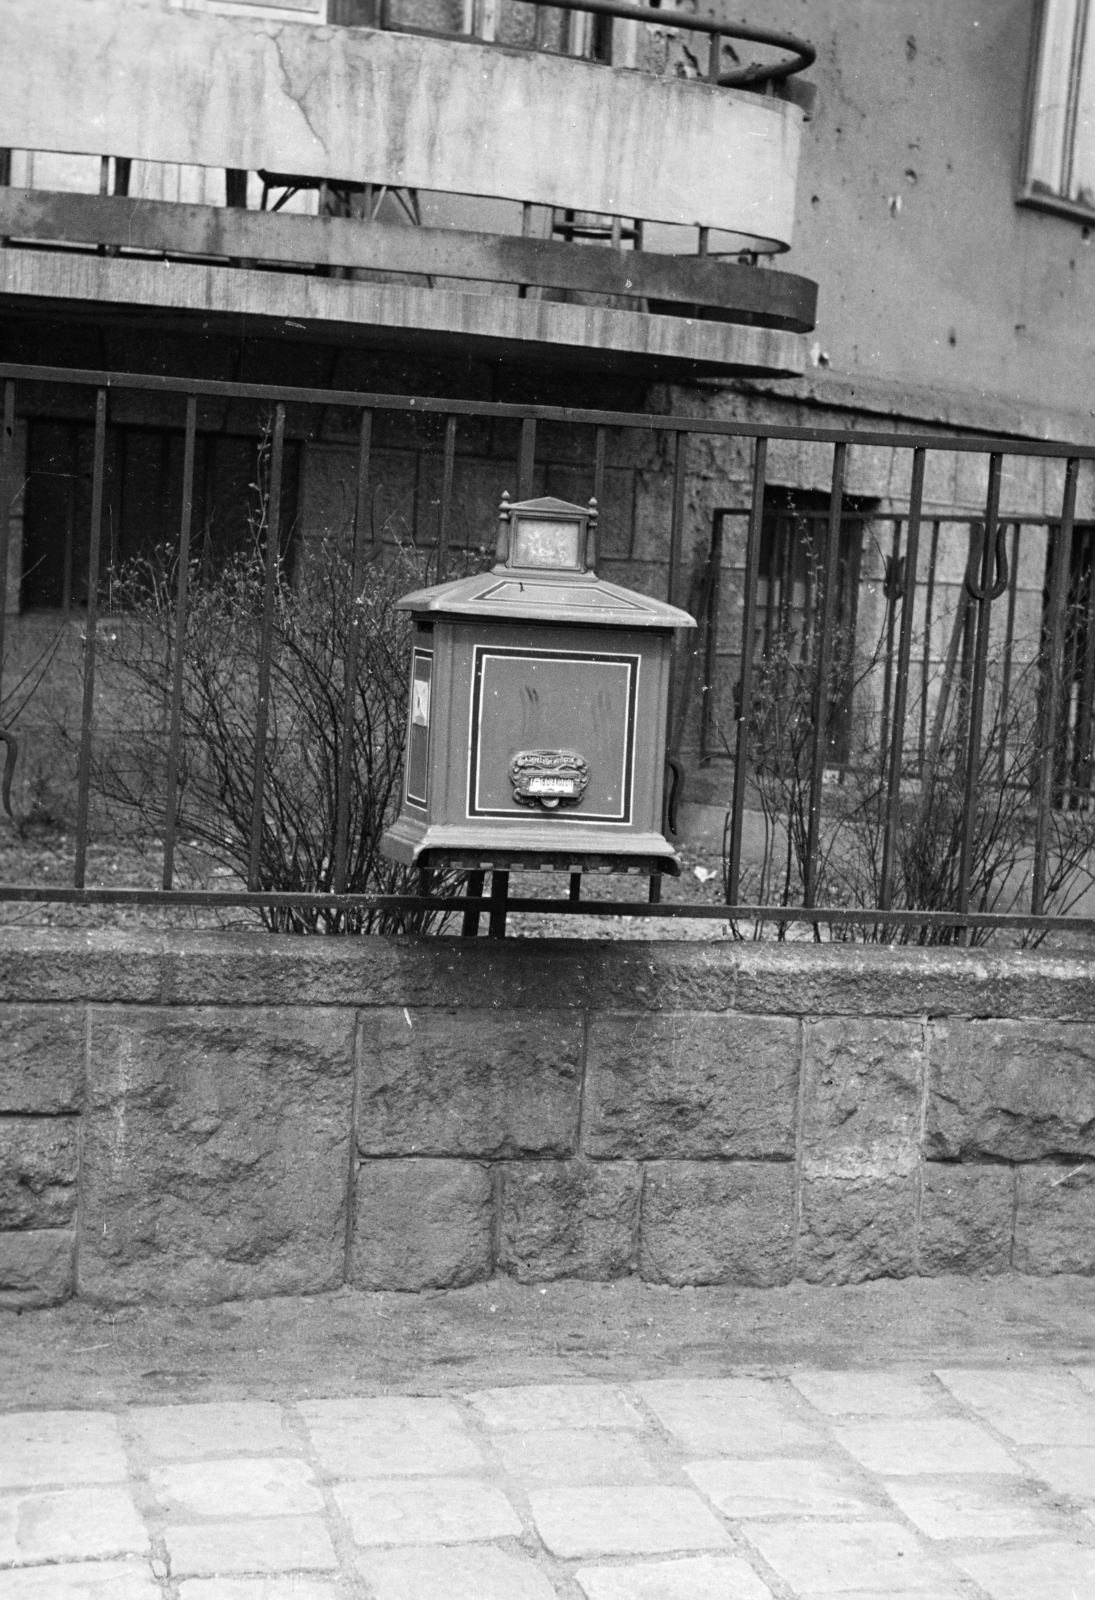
919, 682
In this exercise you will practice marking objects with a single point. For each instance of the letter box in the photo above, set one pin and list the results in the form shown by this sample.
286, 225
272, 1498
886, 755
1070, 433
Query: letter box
537, 710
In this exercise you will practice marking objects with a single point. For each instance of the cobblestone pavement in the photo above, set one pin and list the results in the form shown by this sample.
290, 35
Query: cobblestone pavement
976, 1482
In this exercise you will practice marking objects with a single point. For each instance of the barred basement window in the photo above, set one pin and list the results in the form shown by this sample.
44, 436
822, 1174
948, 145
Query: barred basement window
1059, 159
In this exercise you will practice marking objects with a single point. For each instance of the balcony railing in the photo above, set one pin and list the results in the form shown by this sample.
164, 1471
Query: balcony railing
1031, 744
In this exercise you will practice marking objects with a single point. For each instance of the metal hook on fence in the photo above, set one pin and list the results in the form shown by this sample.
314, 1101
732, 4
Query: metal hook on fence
1000, 586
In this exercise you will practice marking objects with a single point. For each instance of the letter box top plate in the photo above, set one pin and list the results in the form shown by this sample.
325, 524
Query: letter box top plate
561, 597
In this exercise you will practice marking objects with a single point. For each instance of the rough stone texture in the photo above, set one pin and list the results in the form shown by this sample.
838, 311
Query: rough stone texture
965, 1219
36, 1267
421, 1224
857, 1226
568, 1219
469, 1083
689, 1085
864, 1086
1055, 1219
41, 1058
717, 1222
216, 1147
38, 1165
1017, 1091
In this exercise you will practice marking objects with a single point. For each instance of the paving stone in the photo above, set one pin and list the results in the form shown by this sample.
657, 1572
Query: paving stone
718, 1222
830, 1557
556, 1405
1055, 1219
867, 1394
569, 1456
390, 1436
959, 1510
37, 1171
267, 1544
225, 1427
693, 1578
690, 1085
1046, 1571
251, 1487
573, 1219
779, 1486
1068, 1469
59, 1447
426, 1511
1031, 1407
856, 1224
469, 1572
1014, 1091
84, 1580
471, 1083
215, 1152
42, 1052
36, 1267
596, 1521
294, 1588
69, 1525
965, 1218
944, 1444
421, 1224
863, 1089
729, 1416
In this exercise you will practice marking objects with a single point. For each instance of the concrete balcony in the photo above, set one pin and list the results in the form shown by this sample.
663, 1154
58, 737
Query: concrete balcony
510, 166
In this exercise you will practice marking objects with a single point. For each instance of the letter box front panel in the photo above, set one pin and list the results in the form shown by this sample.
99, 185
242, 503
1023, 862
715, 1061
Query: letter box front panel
552, 732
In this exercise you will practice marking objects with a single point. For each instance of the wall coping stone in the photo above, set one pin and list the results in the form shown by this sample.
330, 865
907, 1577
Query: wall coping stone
255, 968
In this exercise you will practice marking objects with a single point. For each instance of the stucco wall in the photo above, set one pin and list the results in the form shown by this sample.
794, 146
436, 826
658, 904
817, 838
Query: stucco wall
201, 1117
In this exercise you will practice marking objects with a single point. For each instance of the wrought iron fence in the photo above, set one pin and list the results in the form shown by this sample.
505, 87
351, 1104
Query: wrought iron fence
909, 672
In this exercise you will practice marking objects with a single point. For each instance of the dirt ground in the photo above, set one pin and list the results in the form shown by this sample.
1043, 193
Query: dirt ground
504, 1333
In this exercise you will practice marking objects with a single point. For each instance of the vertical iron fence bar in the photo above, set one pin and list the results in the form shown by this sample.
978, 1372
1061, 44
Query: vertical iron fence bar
473, 888
1058, 605
526, 467
744, 707
1009, 650
901, 687
824, 663
599, 446
925, 676
499, 896
977, 689
353, 639
673, 583
83, 782
262, 709
891, 615
1086, 686
444, 514
7, 495
711, 640
181, 596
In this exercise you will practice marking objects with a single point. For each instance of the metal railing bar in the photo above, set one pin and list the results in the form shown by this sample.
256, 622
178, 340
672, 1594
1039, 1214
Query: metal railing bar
672, 592
824, 658
181, 596
444, 510
892, 596
7, 495
349, 680
745, 677
526, 460
711, 619
1009, 652
1058, 604
262, 709
925, 674
83, 781
977, 687
649, 422
901, 688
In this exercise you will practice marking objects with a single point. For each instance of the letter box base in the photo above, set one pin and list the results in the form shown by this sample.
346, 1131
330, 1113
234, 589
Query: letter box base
527, 850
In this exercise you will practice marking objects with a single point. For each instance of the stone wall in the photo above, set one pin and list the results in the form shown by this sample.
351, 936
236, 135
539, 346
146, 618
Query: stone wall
193, 1117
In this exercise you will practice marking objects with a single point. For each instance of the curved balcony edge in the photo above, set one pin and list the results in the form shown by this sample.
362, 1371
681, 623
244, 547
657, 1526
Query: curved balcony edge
477, 324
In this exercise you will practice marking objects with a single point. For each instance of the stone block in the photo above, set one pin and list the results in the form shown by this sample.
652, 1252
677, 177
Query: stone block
568, 1219
37, 1526
38, 1163
66, 964
421, 1224
433, 1572
216, 1152
874, 1558
683, 1578
391, 1436
1013, 1091
857, 1225
263, 1544
864, 1087
687, 1085
646, 1519
469, 1083
42, 1058
1055, 1219
246, 1487
717, 1222
897, 1447
965, 1219
43, 1448
755, 1417
129, 1579
426, 1511
558, 1406
213, 1428
36, 1267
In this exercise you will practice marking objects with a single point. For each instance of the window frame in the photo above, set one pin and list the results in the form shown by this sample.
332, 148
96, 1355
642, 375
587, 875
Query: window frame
1033, 191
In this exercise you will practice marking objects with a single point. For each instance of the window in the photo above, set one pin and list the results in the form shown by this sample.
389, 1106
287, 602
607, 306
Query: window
1059, 160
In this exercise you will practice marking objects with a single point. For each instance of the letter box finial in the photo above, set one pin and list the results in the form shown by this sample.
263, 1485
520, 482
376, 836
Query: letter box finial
501, 549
